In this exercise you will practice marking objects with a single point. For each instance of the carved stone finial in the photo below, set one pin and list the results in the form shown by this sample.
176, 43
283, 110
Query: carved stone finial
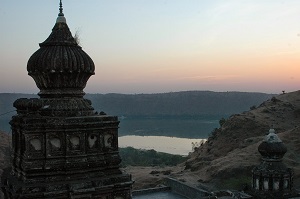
60, 9
61, 17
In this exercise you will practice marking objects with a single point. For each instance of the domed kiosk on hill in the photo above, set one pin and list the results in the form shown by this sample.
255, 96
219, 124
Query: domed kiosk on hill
61, 147
272, 179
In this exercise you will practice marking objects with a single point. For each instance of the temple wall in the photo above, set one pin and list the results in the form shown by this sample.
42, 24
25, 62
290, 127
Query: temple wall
185, 190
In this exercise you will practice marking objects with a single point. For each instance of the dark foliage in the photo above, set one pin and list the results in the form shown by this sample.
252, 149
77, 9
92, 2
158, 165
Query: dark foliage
139, 157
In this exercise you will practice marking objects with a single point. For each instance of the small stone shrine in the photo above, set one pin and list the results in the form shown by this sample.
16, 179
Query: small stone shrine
272, 179
61, 147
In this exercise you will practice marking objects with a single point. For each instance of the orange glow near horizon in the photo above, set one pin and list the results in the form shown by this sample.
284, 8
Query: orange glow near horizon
164, 46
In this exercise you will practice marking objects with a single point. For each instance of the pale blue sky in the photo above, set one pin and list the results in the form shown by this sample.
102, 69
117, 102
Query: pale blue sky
146, 46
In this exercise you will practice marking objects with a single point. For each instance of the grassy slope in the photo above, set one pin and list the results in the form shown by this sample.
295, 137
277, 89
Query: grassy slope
232, 149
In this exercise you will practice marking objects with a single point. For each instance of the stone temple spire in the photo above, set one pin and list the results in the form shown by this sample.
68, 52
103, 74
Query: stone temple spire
60, 68
61, 147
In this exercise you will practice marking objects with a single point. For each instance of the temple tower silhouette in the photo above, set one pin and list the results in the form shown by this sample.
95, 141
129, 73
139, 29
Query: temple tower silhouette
61, 147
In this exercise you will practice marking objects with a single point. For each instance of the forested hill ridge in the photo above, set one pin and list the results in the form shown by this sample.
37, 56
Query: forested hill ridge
174, 103
178, 104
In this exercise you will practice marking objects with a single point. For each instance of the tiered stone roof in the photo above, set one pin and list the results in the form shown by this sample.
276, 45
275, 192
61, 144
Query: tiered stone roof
60, 67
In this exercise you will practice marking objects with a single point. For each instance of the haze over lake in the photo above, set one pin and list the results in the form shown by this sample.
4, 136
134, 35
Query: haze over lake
172, 145
180, 126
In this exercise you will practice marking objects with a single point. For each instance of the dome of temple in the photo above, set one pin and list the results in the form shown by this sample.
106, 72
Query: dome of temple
272, 147
60, 67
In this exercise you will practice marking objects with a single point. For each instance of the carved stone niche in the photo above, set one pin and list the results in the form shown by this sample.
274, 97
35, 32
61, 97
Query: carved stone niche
93, 141
34, 146
75, 143
109, 141
55, 145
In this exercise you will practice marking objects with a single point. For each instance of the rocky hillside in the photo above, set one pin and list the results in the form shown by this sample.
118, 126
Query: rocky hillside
231, 152
4, 151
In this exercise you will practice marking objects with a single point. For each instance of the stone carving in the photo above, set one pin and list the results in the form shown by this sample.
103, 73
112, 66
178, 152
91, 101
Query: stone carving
74, 143
92, 141
108, 141
36, 144
55, 144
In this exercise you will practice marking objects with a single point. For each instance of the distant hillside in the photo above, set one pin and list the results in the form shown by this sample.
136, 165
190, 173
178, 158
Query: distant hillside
147, 113
177, 103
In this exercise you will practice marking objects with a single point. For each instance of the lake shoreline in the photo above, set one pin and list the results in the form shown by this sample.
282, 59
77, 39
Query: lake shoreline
171, 145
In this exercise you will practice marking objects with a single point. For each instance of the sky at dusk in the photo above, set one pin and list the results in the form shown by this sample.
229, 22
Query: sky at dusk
154, 46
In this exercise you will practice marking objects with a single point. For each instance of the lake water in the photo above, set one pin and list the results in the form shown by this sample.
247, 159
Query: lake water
173, 135
172, 145
171, 126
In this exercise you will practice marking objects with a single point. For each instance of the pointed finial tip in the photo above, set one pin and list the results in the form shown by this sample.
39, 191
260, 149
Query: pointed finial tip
60, 9
61, 18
